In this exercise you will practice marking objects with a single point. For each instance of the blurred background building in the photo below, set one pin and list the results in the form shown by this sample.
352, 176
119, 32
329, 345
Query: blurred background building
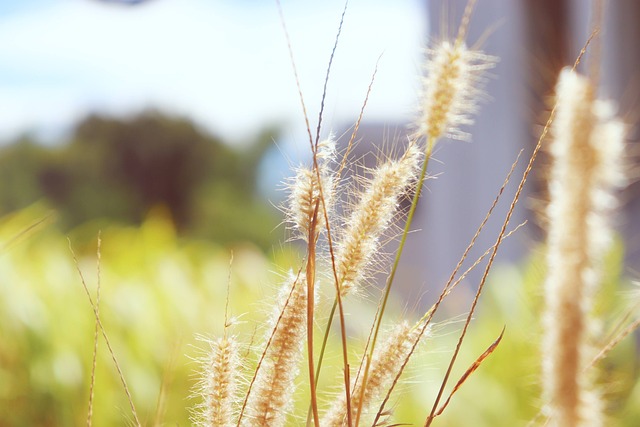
534, 40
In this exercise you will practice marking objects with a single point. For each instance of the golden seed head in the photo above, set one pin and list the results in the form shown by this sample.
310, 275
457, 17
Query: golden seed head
304, 192
271, 398
387, 359
218, 384
453, 87
586, 152
371, 216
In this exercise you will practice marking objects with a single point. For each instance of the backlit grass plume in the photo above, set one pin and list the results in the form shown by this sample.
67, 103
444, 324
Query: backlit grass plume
219, 384
452, 88
371, 216
586, 154
271, 398
304, 191
387, 360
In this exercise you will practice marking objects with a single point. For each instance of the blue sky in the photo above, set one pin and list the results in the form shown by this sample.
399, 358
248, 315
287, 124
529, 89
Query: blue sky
223, 63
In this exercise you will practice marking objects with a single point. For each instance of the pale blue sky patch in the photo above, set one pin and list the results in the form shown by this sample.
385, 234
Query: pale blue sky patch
223, 63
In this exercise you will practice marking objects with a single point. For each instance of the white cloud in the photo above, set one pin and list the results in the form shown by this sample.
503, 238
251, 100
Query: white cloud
224, 63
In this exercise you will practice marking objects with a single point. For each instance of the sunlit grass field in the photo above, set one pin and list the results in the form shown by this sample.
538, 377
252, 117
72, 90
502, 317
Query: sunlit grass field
159, 293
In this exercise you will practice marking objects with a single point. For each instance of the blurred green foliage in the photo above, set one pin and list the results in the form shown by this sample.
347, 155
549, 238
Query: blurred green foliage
505, 391
118, 169
160, 290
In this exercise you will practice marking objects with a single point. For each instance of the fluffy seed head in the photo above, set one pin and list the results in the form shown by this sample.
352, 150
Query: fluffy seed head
586, 151
305, 191
453, 85
371, 216
386, 362
218, 385
271, 398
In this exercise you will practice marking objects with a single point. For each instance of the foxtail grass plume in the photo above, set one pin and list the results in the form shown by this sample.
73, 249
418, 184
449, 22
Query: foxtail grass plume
387, 360
218, 385
304, 191
271, 398
586, 151
371, 216
452, 87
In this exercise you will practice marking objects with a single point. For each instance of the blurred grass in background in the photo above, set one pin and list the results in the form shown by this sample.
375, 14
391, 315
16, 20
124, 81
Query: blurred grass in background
160, 290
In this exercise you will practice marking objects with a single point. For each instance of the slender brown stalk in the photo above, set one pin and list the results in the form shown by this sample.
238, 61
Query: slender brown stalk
595, 57
106, 339
326, 77
295, 72
311, 271
633, 326
315, 163
343, 330
352, 139
471, 370
48, 218
338, 298
94, 360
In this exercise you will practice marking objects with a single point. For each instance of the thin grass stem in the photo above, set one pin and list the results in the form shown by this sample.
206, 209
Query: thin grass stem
311, 269
338, 296
106, 339
96, 333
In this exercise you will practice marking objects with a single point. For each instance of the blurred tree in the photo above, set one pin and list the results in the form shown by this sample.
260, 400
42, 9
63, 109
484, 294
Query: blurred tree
119, 169
19, 185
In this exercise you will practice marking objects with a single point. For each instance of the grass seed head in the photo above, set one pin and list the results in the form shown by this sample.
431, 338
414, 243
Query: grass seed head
452, 87
304, 191
586, 152
371, 216
271, 398
387, 360
218, 384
